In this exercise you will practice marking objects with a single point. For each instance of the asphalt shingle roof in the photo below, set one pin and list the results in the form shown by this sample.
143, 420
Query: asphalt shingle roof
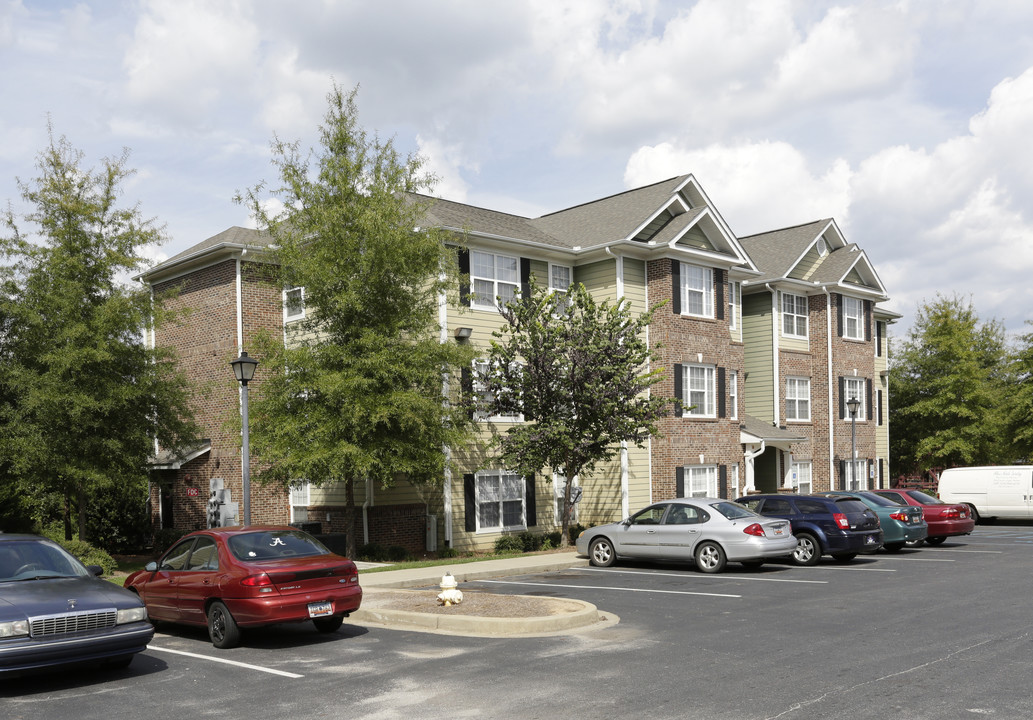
775, 252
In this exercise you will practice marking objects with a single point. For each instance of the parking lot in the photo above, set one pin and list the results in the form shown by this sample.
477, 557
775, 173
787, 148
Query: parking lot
938, 632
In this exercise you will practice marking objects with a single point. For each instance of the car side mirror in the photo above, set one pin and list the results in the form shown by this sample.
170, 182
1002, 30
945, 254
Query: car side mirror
95, 570
151, 566
626, 522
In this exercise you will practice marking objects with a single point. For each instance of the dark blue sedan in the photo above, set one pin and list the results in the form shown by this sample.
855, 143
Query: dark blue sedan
54, 611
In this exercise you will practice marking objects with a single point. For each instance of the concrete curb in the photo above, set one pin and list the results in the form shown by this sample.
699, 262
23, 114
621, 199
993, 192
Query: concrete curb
478, 626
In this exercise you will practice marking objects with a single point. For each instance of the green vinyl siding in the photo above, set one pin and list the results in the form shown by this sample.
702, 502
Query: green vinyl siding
635, 284
807, 264
599, 278
696, 238
759, 366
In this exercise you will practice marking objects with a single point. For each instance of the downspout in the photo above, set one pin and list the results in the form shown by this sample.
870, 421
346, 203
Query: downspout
619, 272
828, 375
443, 338
776, 375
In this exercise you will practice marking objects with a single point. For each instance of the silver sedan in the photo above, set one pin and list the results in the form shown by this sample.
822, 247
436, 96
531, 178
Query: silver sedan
708, 531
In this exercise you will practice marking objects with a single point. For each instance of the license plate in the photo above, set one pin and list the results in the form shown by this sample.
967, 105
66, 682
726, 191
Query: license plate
320, 609
869, 540
780, 530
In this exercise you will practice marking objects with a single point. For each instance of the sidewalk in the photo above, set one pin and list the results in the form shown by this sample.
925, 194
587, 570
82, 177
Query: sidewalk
381, 590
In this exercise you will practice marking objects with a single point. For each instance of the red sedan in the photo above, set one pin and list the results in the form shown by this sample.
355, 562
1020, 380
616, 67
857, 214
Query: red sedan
944, 519
243, 577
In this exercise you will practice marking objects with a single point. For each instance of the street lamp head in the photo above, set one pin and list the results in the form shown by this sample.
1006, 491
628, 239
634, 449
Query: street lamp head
853, 404
244, 368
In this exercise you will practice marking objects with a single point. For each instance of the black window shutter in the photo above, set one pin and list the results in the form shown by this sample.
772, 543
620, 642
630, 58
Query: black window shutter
719, 292
678, 407
676, 287
464, 277
679, 482
525, 277
878, 339
531, 506
882, 472
878, 401
722, 482
868, 398
466, 386
839, 315
470, 500
842, 399
842, 475
867, 320
721, 392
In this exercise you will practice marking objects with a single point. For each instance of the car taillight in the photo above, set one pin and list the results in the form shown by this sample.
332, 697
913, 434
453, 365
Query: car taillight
754, 529
841, 520
901, 516
260, 580
952, 513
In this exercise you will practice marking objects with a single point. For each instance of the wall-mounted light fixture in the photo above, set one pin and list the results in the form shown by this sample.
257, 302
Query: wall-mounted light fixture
463, 333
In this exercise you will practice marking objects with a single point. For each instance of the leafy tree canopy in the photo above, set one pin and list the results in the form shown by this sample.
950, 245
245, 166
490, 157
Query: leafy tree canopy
578, 372
82, 396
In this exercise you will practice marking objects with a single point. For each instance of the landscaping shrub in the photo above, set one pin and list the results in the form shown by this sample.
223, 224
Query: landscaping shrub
165, 538
372, 552
89, 555
396, 553
509, 543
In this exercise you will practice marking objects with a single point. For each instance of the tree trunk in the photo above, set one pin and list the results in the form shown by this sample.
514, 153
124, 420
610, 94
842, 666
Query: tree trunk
349, 517
82, 514
68, 517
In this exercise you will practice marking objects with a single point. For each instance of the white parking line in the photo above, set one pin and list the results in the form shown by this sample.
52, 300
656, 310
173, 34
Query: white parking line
603, 587
853, 568
911, 558
718, 576
226, 662
985, 552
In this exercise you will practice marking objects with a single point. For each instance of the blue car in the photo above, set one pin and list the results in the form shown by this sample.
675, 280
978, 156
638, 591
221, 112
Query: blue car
54, 611
840, 527
901, 524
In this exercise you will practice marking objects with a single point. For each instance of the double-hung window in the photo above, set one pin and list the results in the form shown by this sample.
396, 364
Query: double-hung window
559, 483
484, 397
855, 475
801, 477
794, 315
493, 276
733, 395
294, 303
734, 303
697, 290
699, 391
500, 500
853, 318
701, 481
854, 388
560, 279
798, 399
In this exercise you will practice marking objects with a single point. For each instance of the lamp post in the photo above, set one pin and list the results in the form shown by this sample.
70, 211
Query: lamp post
244, 370
853, 404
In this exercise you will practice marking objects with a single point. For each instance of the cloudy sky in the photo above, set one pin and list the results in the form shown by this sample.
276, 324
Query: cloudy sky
909, 122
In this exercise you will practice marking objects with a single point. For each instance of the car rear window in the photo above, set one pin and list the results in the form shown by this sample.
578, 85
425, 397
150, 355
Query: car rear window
880, 500
851, 505
924, 498
733, 511
812, 507
275, 544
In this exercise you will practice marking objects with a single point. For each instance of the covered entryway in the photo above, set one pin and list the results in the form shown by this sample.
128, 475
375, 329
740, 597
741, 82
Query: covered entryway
766, 450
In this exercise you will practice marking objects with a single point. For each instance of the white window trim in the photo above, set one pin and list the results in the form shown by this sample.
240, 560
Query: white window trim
798, 383
796, 477
475, 302
856, 468
733, 394
795, 315
484, 474
480, 366
552, 286
706, 292
287, 316
708, 408
848, 316
734, 303
700, 480
862, 409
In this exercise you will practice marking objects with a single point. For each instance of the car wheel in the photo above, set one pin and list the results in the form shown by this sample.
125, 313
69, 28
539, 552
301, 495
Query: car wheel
222, 628
844, 557
328, 624
974, 513
710, 558
893, 547
938, 540
807, 552
600, 553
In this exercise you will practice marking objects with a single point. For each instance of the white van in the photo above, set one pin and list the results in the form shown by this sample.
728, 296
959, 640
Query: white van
1003, 491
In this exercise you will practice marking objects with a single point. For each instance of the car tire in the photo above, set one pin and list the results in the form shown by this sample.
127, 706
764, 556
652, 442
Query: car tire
601, 552
938, 540
710, 558
844, 557
328, 624
893, 547
808, 551
222, 628
974, 513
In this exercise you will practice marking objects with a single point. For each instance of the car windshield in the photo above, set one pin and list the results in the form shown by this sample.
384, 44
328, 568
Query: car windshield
275, 544
878, 500
36, 560
733, 511
925, 499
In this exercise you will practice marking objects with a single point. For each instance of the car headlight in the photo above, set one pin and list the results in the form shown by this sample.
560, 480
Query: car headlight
581, 533
14, 629
131, 615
